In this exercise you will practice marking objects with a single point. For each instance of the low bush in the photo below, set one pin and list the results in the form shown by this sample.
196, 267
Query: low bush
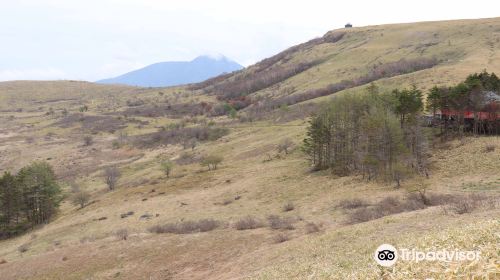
352, 203
277, 222
489, 148
186, 227
180, 135
312, 228
458, 204
280, 238
288, 207
385, 207
23, 248
469, 203
248, 222
122, 234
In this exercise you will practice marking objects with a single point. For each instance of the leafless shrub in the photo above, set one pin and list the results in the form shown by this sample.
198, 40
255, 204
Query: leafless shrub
280, 238
468, 204
387, 206
121, 234
81, 198
178, 136
352, 203
177, 110
285, 145
91, 123
23, 248
248, 222
88, 140
456, 203
288, 207
135, 103
277, 222
362, 215
187, 158
186, 227
432, 199
463, 207
489, 148
312, 228
111, 176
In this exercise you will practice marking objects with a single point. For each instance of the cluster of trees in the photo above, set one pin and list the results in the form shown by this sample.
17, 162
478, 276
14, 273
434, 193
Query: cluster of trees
217, 82
28, 198
472, 105
247, 84
377, 72
377, 135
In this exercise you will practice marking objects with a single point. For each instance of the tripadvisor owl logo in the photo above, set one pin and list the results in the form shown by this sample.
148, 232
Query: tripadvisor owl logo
386, 255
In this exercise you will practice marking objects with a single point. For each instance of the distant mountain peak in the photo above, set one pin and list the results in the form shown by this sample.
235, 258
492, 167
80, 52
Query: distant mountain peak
164, 74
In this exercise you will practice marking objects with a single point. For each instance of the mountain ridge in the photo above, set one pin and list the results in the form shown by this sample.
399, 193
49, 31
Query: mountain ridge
172, 73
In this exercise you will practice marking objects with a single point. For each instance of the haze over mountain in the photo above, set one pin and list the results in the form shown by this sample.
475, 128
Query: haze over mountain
177, 72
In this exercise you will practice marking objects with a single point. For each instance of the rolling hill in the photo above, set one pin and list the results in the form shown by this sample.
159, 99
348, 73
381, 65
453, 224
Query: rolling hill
272, 217
176, 73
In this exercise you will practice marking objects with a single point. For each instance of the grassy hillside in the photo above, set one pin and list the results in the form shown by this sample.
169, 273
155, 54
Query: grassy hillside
313, 232
461, 46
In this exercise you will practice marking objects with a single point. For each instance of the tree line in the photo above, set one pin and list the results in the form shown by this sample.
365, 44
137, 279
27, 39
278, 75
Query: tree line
376, 135
380, 71
28, 198
472, 105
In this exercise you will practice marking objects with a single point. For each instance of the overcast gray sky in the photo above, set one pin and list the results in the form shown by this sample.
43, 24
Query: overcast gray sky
95, 39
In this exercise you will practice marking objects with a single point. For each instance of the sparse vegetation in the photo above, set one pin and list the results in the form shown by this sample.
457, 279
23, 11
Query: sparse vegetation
366, 142
180, 135
111, 176
285, 145
247, 222
23, 248
352, 203
186, 227
81, 198
88, 140
121, 234
167, 166
212, 161
277, 222
312, 228
280, 238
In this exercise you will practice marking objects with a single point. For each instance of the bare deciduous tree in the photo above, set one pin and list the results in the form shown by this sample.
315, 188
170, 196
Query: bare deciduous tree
81, 198
285, 145
111, 176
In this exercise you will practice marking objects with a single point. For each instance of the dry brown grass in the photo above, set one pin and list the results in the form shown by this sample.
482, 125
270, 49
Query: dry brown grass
277, 222
186, 227
227, 253
248, 222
